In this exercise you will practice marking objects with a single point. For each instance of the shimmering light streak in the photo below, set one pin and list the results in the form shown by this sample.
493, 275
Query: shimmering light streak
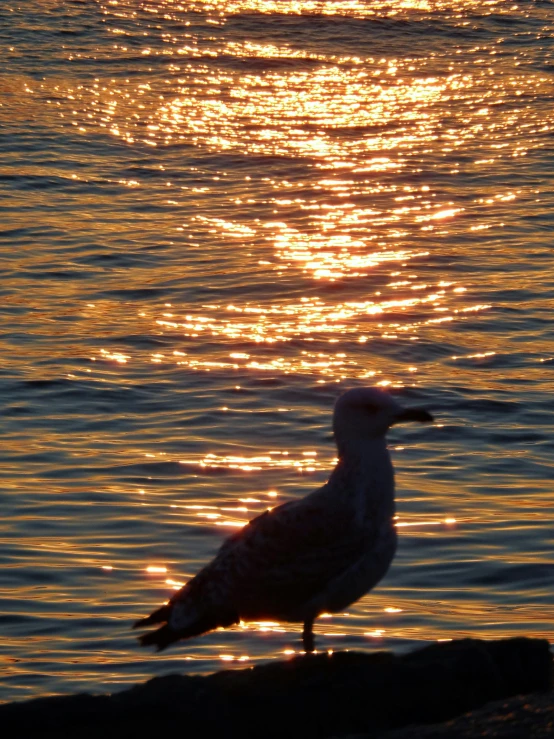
296, 460
313, 320
404, 524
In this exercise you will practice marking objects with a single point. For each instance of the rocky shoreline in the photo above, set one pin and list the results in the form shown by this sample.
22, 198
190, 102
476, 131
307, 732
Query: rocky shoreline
521, 717
320, 696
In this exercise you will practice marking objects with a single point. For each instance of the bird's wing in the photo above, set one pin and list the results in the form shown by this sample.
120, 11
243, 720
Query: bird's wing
287, 556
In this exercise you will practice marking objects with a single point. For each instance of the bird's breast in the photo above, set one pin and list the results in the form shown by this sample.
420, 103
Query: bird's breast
378, 552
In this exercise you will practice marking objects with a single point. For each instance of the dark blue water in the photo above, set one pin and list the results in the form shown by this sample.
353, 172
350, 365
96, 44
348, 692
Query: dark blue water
215, 218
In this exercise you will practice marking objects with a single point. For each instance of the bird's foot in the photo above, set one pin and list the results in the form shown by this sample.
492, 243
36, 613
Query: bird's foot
308, 637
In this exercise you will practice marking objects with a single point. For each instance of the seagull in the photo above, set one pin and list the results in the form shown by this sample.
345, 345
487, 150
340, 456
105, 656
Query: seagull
315, 555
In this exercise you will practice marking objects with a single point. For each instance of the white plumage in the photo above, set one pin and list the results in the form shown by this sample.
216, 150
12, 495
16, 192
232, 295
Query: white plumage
309, 556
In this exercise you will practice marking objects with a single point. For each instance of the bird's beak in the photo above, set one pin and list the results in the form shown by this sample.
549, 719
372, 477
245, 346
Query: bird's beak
414, 414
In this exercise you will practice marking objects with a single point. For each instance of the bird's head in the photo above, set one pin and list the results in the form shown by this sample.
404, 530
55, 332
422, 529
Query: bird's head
368, 413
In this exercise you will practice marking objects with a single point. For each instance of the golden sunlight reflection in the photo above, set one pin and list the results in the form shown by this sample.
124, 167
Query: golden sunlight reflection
233, 658
218, 11
267, 626
395, 107
442, 522
312, 320
360, 125
341, 94
302, 462
114, 356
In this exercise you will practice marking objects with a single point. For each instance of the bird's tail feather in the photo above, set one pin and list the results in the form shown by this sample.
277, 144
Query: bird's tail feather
160, 638
160, 616
164, 636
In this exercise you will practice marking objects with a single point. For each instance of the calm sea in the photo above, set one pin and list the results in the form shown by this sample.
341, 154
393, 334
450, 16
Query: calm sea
218, 215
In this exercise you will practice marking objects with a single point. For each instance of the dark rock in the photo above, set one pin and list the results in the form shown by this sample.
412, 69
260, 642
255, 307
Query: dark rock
522, 717
311, 697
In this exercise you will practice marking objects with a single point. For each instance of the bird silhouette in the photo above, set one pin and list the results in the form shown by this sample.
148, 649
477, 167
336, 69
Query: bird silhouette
309, 556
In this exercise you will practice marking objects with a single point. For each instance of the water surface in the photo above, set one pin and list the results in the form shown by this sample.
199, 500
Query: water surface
217, 216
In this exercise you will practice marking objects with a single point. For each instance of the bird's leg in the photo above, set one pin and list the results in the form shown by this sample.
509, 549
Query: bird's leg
308, 636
